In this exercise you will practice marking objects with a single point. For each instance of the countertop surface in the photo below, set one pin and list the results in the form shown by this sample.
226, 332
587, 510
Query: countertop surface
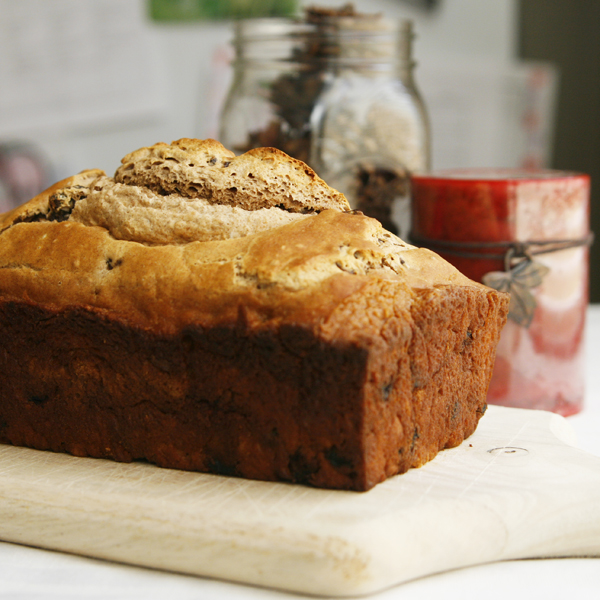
29, 573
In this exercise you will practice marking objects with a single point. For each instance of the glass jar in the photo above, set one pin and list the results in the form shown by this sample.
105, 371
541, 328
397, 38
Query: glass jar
526, 233
337, 92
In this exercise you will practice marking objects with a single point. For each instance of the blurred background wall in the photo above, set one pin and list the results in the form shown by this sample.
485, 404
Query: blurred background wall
507, 82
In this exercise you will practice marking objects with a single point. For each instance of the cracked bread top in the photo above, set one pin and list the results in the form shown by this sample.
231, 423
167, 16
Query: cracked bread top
190, 190
260, 178
138, 214
137, 247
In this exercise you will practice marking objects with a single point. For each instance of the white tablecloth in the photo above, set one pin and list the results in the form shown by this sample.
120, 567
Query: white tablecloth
31, 574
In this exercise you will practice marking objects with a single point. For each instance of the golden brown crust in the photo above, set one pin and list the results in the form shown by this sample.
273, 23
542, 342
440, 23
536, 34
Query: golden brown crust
69, 264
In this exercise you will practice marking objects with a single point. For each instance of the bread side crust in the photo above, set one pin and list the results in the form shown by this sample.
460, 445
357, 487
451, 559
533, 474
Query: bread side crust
390, 376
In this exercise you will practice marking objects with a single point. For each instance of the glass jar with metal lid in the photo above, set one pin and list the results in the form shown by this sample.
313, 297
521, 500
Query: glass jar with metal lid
336, 91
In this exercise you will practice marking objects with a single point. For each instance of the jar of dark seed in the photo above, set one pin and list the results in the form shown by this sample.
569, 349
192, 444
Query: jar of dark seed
336, 91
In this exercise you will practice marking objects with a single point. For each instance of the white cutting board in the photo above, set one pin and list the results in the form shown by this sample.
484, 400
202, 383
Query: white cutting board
515, 489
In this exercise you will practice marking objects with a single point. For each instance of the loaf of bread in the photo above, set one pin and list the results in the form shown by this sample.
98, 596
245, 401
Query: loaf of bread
231, 315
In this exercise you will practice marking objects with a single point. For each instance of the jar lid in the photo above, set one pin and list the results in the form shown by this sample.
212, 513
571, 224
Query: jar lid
504, 175
344, 40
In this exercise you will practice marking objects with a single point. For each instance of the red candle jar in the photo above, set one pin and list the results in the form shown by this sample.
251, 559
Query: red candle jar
525, 232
